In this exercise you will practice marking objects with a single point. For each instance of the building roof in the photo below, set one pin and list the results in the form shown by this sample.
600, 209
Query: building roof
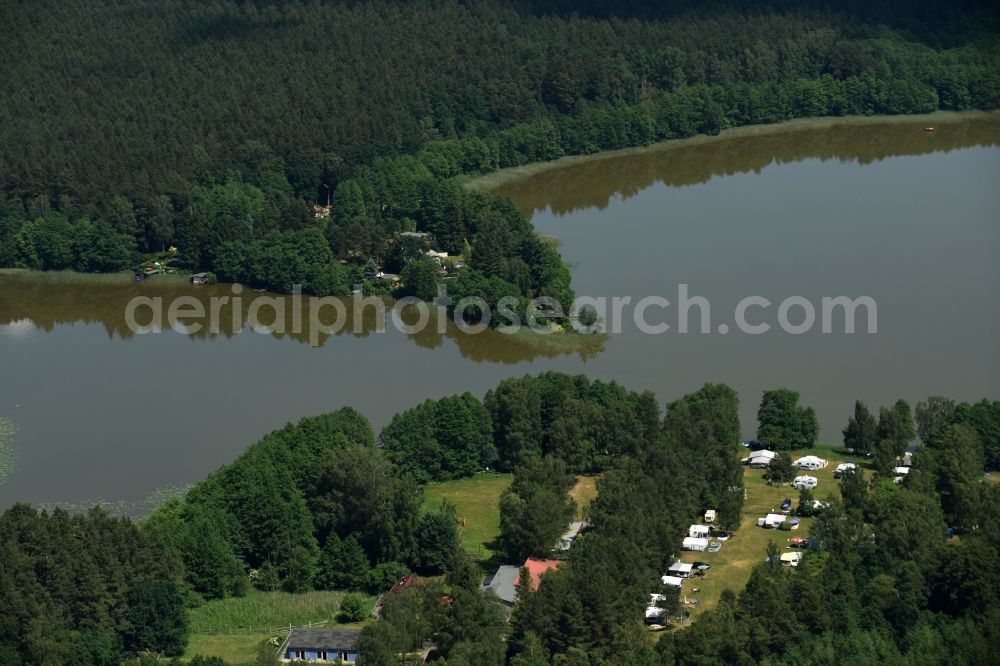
502, 582
763, 453
760, 460
536, 569
408, 581
323, 639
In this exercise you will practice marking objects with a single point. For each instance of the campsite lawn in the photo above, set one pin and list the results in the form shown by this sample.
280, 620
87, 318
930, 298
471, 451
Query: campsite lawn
732, 566
233, 628
477, 502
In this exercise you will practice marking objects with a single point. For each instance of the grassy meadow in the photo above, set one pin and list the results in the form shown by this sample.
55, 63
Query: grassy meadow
583, 493
234, 628
477, 502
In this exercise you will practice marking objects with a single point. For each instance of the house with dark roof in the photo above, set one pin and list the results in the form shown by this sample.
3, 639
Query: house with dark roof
321, 645
501, 583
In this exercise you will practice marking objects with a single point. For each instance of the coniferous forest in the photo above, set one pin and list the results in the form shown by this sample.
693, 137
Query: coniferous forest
215, 127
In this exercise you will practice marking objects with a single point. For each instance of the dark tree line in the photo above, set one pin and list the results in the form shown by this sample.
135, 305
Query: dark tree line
584, 423
85, 589
314, 505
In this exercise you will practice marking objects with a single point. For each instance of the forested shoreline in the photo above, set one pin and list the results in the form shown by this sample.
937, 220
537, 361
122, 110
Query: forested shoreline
327, 143
323, 504
130, 147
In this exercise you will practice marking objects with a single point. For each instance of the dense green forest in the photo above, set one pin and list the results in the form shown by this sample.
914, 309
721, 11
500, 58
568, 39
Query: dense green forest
216, 126
321, 505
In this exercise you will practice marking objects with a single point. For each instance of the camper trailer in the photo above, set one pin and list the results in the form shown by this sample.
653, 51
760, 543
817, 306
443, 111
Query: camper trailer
699, 531
805, 482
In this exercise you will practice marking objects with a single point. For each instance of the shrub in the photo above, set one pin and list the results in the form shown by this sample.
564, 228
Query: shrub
352, 609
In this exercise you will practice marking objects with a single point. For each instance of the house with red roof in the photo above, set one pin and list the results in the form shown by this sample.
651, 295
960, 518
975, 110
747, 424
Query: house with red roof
536, 569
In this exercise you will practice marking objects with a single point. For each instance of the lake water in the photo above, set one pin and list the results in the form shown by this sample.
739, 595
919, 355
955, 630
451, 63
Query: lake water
886, 210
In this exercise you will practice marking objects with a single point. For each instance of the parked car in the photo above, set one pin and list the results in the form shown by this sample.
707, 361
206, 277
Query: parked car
786, 505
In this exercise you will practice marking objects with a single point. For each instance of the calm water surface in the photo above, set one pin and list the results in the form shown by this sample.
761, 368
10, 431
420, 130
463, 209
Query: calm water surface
886, 210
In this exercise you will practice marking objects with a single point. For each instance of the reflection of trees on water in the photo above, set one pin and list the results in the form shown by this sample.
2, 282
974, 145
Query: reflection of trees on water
48, 305
593, 183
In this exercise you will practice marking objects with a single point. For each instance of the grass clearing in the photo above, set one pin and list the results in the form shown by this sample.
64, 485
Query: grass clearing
477, 502
266, 610
583, 493
234, 649
732, 566
234, 628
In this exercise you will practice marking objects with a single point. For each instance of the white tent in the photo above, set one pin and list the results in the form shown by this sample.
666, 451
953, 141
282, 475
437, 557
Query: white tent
810, 462
673, 581
791, 559
901, 473
694, 543
774, 519
681, 569
759, 462
699, 531
654, 613
763, 453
